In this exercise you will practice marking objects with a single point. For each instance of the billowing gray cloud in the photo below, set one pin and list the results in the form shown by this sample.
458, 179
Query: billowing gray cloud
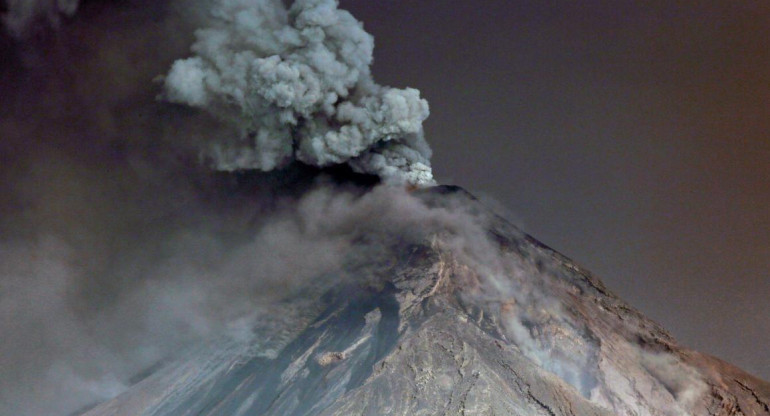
296, 85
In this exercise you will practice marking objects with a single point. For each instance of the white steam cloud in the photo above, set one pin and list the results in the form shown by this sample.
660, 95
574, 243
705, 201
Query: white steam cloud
21, 14
296, 85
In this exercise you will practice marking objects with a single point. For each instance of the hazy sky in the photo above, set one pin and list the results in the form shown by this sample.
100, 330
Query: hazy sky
634, 137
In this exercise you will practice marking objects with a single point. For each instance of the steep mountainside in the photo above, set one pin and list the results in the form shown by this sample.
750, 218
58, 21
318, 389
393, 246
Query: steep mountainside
503, 326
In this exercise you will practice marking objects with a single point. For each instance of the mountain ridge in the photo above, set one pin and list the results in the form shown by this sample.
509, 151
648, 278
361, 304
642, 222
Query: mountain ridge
432, 329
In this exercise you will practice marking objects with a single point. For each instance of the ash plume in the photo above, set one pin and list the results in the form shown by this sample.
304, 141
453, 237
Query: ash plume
296, 85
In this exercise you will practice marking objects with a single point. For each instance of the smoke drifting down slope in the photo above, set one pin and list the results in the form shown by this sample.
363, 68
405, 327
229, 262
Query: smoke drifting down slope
441, 307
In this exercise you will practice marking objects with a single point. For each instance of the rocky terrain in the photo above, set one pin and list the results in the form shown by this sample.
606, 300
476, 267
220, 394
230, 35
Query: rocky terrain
428, 329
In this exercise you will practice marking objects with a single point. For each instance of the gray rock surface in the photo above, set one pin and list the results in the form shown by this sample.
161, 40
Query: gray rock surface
430, 333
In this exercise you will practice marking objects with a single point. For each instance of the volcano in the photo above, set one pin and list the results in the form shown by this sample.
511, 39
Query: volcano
213, 208
421, 327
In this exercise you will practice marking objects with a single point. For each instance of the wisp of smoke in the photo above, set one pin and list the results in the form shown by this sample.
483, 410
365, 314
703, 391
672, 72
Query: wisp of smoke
22, 14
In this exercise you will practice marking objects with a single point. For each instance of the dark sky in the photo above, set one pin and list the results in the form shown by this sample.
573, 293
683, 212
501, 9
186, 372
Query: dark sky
634, 137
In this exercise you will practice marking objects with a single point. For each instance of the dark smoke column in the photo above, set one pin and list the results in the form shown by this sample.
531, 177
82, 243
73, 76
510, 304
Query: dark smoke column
295, 85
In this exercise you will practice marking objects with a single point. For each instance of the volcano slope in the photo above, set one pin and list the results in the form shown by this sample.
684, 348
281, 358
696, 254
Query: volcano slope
449, 321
